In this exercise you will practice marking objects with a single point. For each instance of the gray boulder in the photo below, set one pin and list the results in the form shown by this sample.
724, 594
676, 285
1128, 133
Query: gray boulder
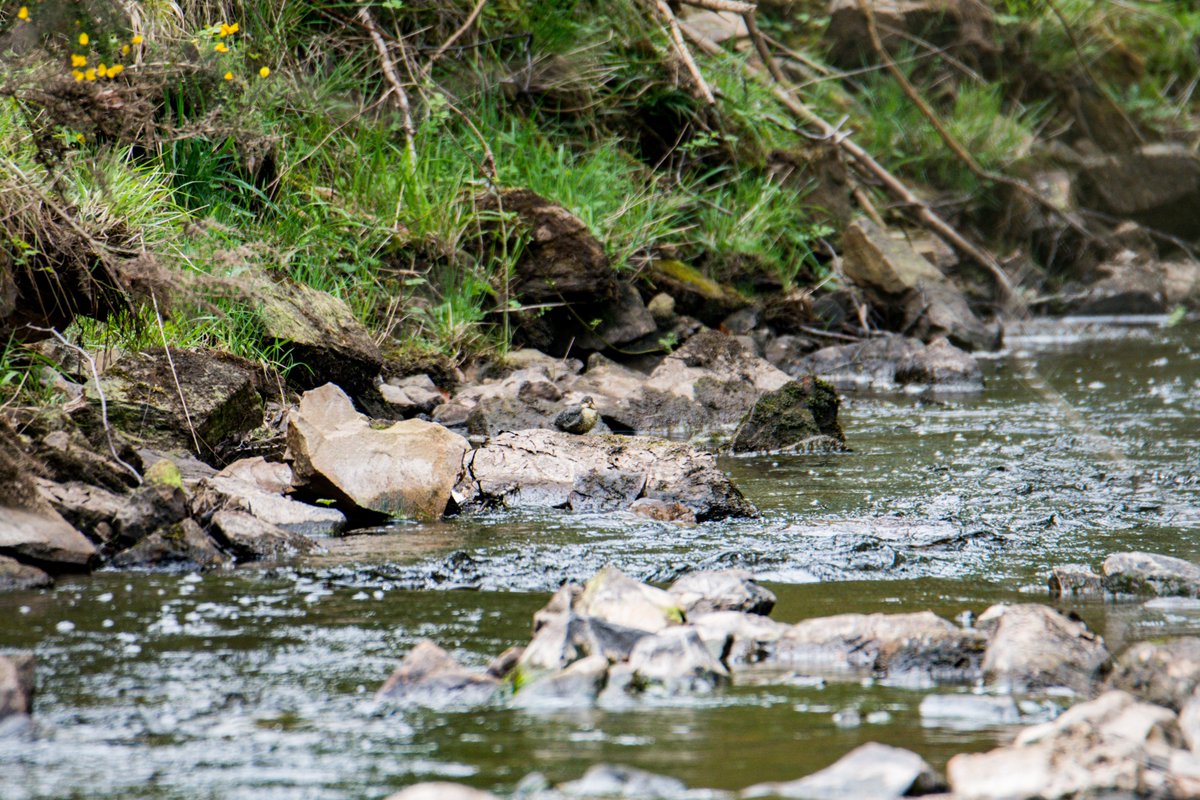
894, 274
702, 593
257, 487
551, 469
673, 661
869, 772
942, 365
406, 469
1111, 746
252, 539
707, 385
42, 537
869, 365
1157, 185
1150, 574
1032, 647
429, 676
578, 684
1164, 673
30, 529
919, 648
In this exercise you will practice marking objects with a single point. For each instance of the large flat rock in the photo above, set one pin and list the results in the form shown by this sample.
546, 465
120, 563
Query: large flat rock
551, 469
406, 469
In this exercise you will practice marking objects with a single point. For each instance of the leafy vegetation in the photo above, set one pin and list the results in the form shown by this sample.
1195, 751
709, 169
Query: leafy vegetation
251, 138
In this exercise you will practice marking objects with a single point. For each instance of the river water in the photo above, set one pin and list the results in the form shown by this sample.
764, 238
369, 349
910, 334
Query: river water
257, 683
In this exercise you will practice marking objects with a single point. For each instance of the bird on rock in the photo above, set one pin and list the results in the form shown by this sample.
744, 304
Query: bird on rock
578, 419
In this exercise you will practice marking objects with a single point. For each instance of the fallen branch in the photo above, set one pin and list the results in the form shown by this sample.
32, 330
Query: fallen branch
685, 54
893, 184
187, 415
454, 37
389, 72
944, 134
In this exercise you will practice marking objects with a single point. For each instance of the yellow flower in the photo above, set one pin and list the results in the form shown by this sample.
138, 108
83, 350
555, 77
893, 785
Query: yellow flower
78, 60
265, 71
83, 39
228, 76
79, 137
137, 39
233, 29
23, 13
221, 47
125, 50
90, 75
78, 75
115, 70
102, 70
228, 30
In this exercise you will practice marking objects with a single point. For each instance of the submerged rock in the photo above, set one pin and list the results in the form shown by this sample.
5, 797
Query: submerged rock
15, 576
869, 365
1164, 673
1151, 574
325, 340
869, 772
551, 469
1075, 580
183, 545
800, 414
16, 684
1034, 647
429, 676
406, 469
1113, 744
608, 780
441, 790
702, 593
968, 711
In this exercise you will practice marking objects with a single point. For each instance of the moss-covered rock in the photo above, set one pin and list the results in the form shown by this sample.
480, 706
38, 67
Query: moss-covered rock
326, 343
695, 294
802, 413
221, 390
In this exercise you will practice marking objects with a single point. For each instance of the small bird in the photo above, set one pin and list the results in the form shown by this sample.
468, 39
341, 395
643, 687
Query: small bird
578, 419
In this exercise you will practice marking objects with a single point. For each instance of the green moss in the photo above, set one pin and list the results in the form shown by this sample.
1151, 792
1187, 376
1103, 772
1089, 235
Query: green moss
163, 473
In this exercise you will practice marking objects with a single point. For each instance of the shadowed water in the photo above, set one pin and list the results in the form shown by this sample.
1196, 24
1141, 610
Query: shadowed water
258, 683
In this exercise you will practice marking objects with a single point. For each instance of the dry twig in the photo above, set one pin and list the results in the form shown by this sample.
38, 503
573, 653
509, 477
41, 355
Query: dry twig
389, 71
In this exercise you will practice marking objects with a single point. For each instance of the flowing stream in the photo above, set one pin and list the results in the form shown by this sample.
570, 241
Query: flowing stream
257, 683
